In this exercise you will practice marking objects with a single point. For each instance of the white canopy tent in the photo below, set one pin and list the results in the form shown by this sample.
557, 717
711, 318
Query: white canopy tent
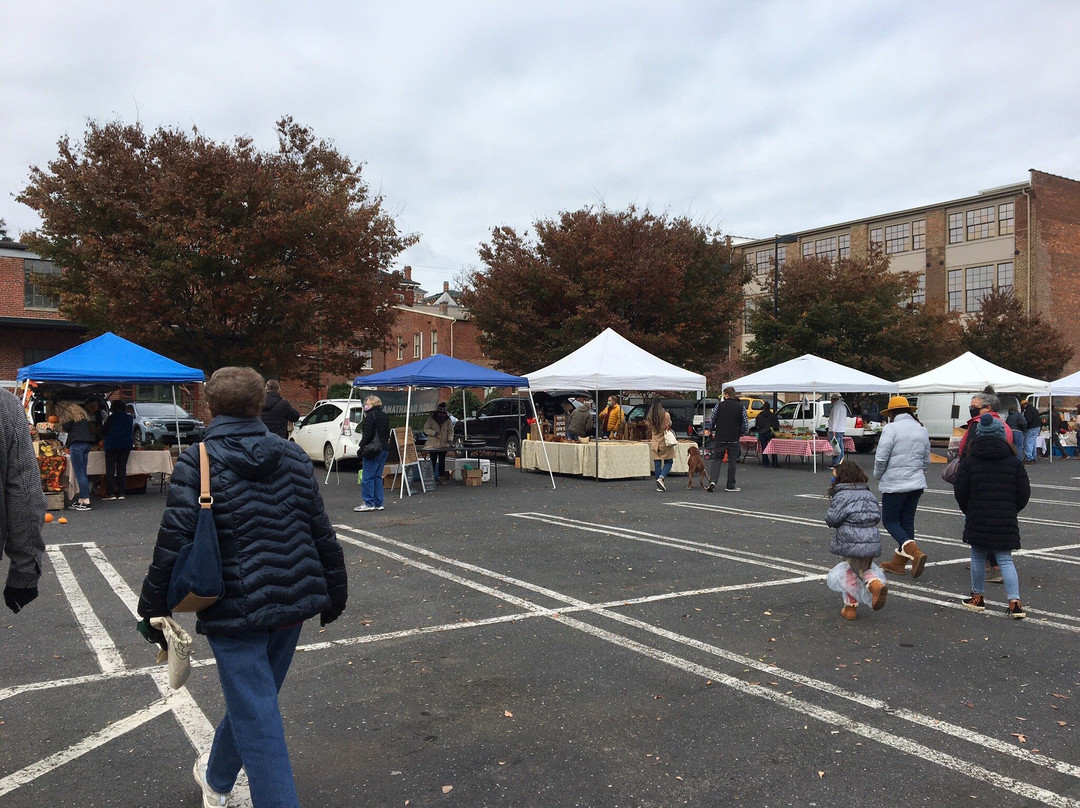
609, 361
1066, 386
811, 374
969, 373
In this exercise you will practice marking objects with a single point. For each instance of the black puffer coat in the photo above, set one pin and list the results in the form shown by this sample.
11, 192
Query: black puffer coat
281, 561
375, 423
991, 488
276, 414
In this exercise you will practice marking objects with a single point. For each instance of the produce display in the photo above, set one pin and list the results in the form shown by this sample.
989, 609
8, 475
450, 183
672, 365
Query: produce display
52, 460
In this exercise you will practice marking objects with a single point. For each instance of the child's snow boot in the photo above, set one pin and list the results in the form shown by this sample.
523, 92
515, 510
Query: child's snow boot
878, 591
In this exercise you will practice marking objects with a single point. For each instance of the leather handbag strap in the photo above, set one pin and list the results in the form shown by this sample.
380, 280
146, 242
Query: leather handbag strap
205, 500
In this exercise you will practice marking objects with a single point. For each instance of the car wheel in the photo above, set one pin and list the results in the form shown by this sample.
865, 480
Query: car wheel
459, 442
865, 446
512, 447
137, 435
328, 455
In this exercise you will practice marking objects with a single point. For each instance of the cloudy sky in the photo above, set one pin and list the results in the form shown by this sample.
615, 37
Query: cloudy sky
750, 117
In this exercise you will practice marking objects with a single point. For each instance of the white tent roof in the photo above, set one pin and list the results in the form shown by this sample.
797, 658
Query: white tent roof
1067, 386
611, 362
969, 373
810, 374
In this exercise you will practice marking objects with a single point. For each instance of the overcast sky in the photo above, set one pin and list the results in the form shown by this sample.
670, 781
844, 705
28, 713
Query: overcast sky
751, 117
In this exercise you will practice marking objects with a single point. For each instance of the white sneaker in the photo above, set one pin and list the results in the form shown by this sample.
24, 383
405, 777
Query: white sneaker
380, 508
211, 799
362, 508
732, 490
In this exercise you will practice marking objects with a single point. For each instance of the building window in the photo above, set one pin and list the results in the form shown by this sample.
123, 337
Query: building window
400, 348
918, 235
807, 249
34, 297
748, 306
825, 247
417, 345
877, 236
844, 243
1005, 276
980, 223
956, 290
434, 342
1006, 213
31, 356
896, 237
919, 295
762, 262
980, 283
781, 254
365, 360
956, 228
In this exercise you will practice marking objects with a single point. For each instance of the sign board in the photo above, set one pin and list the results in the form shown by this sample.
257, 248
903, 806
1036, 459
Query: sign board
404, 454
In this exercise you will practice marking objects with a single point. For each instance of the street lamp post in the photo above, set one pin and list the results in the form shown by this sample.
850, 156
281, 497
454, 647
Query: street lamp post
788, 239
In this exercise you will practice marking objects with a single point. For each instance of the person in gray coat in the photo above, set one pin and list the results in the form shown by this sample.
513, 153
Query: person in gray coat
854, 514
22, 505
900, 464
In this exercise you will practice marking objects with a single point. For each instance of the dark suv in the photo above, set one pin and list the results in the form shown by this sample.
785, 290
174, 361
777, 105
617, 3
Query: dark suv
682, 415
501, 422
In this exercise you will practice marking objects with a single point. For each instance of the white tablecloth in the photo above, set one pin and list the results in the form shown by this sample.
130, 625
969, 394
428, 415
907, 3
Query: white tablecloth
142, 461
618, 459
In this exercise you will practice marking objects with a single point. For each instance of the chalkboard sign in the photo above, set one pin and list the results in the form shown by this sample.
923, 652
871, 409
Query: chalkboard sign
427, 474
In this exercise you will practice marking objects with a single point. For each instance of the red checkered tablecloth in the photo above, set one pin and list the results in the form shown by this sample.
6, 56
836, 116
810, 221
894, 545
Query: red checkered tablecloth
802, 448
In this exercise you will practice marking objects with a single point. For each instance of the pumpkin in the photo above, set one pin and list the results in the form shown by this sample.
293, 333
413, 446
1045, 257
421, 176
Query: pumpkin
48, 517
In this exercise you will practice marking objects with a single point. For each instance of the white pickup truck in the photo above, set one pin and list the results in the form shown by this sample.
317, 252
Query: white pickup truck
814, 415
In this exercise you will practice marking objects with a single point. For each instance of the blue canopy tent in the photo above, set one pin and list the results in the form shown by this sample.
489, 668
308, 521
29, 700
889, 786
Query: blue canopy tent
441, 371
105, 363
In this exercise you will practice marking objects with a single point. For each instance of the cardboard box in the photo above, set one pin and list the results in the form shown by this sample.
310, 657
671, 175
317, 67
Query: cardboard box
54, 500
473, 476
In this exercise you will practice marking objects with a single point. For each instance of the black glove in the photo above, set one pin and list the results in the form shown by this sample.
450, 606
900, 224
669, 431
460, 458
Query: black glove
151, 634
17, 598
331, 614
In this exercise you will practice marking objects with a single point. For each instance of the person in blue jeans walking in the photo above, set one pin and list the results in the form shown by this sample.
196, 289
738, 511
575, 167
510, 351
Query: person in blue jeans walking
991, 488
281, 564
80, 439
900, 464
375, 425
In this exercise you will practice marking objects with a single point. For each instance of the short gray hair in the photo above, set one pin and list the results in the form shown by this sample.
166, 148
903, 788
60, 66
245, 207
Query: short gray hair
235, 391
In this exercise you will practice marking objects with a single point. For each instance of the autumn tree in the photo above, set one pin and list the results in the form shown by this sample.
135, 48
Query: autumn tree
664, 283
854, 311
1002, 333
218, 253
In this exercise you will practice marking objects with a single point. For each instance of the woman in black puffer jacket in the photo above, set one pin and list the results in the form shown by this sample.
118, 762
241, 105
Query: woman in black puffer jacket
281, 564
991, 488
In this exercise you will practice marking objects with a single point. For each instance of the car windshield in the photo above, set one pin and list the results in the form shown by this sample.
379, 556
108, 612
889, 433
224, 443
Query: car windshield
788, 410
147, 410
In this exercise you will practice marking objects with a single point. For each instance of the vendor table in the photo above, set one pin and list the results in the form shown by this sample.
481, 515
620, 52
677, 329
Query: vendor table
141, 461
618, 459
800, 447
748, 443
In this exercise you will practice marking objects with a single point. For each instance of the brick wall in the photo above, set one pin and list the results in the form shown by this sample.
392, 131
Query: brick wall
1056, 247
37, 334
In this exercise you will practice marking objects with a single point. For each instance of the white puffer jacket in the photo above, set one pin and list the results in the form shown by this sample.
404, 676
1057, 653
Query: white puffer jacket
903, 456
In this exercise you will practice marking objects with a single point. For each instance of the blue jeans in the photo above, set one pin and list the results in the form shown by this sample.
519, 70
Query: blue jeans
80, 453
1005, 564
898, 514
1030, 438
372, 487
661, 468
251, 667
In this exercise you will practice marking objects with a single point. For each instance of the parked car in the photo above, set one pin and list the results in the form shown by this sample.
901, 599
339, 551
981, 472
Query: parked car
814, 415
331, 430
501, 422
682, 411
156, 422
703, 408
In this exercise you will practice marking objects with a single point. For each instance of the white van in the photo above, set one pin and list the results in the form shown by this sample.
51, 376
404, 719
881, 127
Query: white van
941, 413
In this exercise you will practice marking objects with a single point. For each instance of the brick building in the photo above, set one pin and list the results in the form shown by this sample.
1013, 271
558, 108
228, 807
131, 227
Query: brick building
1024, 236
31, 328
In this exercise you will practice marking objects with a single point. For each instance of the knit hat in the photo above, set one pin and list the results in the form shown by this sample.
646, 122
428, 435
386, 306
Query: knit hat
989, 425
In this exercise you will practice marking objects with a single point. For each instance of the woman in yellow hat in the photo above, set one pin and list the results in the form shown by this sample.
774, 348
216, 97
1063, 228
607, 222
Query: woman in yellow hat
900, 464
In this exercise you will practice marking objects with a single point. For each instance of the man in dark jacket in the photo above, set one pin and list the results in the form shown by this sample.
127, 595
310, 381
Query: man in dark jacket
991, 488
728, 423
1032, 425
376, 427
276, 411
281, 564
22, 505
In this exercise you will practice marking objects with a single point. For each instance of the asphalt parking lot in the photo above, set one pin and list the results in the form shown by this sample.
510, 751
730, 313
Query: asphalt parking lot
600, 644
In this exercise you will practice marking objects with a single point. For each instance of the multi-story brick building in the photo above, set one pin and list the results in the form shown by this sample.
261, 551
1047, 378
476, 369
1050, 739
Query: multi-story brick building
31, 328
1024, 236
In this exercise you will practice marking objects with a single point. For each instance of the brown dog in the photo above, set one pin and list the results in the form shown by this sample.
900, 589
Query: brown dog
695, 464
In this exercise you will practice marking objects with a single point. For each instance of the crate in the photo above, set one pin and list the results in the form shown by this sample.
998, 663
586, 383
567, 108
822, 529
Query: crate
473, 476
54, 500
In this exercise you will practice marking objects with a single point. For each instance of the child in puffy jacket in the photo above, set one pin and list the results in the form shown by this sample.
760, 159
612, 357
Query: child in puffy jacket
854, 513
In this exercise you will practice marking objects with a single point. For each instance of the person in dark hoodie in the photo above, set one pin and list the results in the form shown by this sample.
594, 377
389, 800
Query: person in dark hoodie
991, 488
276, 411
281, 564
